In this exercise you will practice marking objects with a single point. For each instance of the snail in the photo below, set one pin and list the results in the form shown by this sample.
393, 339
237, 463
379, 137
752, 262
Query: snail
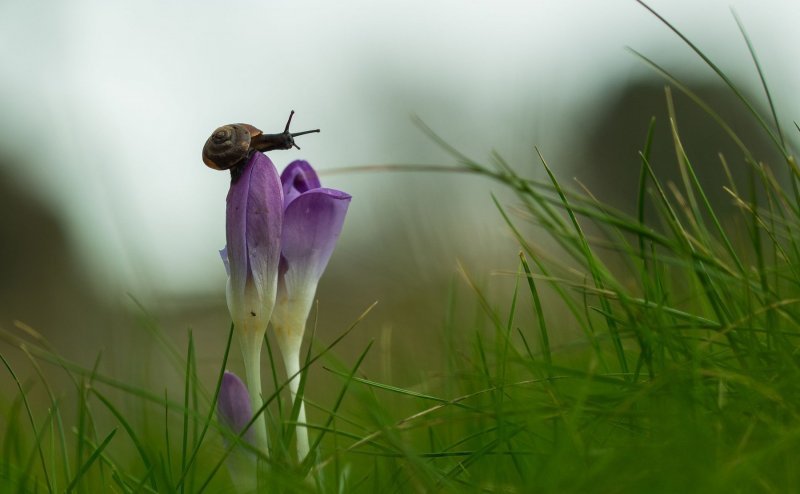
230, 145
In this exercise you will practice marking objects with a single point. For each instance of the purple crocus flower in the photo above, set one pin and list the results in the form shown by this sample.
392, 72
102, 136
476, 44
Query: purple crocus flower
234, 410
312, 220
254, 216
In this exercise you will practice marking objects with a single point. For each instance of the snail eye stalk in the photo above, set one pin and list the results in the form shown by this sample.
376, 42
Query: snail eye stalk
288, 122
293, 135
284, 140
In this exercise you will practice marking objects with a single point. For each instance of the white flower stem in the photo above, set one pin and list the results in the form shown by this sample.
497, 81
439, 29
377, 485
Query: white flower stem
289, 324
251, 352
292, 363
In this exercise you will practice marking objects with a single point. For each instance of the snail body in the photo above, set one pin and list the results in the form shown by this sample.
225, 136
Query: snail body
229, 146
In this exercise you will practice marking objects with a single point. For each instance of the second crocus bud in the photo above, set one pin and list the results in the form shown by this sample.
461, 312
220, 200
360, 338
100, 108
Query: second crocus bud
312, 221
233, 406
234, 413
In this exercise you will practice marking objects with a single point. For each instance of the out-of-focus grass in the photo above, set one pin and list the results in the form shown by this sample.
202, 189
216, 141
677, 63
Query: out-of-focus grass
687, 376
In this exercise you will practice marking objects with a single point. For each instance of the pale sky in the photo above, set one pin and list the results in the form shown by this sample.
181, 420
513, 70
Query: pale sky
111, 102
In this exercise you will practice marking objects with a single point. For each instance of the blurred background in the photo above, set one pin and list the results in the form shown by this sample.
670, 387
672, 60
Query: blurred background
105, 107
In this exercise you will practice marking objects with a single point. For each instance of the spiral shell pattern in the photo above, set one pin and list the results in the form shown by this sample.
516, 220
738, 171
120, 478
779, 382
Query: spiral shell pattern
228, 145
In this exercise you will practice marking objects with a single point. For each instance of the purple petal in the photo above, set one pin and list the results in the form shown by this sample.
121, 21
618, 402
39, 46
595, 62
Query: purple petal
233, 405
298, 177
224, 255
253, 228
311, 225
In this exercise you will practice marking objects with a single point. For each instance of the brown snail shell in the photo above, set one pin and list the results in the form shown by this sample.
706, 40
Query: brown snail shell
228, 145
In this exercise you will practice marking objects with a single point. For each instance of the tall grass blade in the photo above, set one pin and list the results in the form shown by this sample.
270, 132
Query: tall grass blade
89, 461
31, 420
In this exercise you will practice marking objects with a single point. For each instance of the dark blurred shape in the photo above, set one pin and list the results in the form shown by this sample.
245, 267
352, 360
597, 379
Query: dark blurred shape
41, 284
609, 159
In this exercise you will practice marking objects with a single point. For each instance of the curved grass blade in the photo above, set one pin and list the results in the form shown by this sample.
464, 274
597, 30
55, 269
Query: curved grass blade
762, 77
339, 399
212, 408
31, 420
537, 307
89, 461
722, 76
186, 394
598, 272
58, 419
38, 441
137, 443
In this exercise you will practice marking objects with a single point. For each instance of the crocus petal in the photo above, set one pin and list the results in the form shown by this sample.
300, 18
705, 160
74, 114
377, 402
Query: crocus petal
298, 177
253, 227
224, 255
233, 405
313, 219
311, 225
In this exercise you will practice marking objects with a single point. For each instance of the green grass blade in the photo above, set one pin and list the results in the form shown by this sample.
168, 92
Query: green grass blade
211, 410
728, 82
186, 394
137, 442
640, 198
89, 461
763, 79
695, 184
598, 272
65, 461
339, 399
32, 422
37, 446
537, 307
167, 458
699, 102
570, 303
